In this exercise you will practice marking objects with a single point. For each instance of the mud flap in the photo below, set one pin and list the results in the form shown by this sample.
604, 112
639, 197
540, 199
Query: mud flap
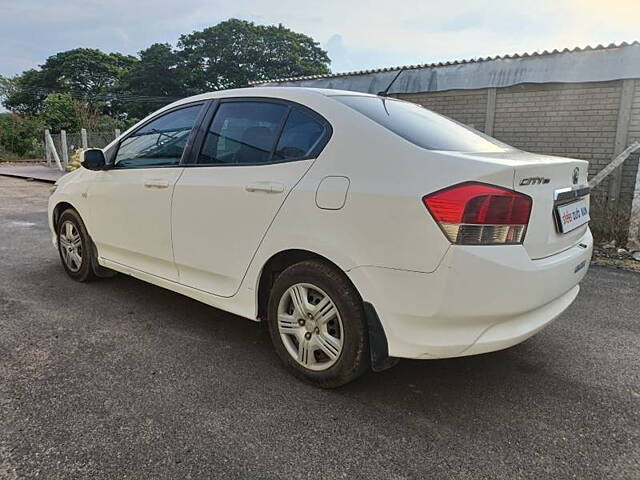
378, 347
99, 270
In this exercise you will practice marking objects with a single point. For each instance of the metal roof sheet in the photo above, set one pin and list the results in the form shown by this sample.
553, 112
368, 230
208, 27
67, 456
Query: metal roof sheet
587, 64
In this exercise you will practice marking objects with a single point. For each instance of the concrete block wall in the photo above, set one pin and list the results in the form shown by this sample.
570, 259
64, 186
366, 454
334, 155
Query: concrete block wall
570, 120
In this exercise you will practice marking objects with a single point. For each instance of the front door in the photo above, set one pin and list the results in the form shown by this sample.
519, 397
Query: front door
254, 153
130, 203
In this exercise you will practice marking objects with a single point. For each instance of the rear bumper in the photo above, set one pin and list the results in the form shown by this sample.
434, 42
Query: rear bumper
480, 298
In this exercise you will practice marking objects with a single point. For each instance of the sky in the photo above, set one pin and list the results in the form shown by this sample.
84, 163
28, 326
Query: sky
357, 34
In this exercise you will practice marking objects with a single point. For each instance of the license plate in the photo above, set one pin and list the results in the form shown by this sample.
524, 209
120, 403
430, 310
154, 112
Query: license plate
572, 215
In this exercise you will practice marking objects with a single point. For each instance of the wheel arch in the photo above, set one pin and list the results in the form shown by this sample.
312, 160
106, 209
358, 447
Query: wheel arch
59, 208
277, 263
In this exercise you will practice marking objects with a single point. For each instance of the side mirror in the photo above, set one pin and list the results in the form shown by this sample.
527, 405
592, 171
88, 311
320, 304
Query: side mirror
93, 159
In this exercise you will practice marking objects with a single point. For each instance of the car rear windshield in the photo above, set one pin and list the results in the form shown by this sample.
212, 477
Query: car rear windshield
421, 126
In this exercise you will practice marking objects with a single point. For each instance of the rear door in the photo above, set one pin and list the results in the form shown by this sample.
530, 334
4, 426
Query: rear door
130, 203
251, 156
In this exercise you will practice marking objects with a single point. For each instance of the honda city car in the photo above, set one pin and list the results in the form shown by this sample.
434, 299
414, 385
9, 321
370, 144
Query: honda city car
360, 228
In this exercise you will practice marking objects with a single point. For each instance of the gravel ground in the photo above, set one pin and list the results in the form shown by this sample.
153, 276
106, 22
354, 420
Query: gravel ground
120, 379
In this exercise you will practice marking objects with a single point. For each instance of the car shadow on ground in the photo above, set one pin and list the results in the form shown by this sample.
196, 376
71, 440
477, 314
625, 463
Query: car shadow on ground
447, 393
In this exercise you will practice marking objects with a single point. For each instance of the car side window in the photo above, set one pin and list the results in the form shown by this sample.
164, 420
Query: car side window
160, 142
243, 133
300, 137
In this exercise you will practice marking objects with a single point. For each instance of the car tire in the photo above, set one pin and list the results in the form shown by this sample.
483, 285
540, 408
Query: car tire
317, 324
76, 249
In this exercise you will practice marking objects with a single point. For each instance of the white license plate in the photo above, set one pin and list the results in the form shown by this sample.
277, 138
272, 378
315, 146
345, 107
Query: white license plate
572, 215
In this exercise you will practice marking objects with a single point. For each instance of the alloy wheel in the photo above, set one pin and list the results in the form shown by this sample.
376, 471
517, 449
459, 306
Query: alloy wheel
310, 326
70, 246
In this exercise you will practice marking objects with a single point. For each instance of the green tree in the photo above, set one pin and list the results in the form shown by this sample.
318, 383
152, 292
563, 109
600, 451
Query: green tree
229, 54
84, 73
235, 52
6, 87
157, 79
60, 111
25, 93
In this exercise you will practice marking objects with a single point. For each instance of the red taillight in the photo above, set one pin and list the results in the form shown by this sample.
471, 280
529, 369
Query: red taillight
480, 214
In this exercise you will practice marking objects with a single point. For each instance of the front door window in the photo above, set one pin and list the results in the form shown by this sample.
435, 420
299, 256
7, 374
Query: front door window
159, 143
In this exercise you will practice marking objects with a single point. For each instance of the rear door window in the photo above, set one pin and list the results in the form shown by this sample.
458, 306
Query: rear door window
422, 127
243, 133
258, 132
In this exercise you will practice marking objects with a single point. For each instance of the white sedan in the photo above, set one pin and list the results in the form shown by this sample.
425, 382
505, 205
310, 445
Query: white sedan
360, 228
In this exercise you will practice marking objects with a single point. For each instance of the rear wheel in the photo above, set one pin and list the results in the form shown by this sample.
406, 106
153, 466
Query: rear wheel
317, 324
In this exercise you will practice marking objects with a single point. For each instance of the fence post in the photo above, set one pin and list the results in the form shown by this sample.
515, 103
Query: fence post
52, 149
633, 241
47, 153
64, 147
490, 118
622, 131
117, 132
83, 134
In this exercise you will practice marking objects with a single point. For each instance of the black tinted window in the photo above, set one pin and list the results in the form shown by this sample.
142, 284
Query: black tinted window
160, 142
243, 133
421, 126
300, 137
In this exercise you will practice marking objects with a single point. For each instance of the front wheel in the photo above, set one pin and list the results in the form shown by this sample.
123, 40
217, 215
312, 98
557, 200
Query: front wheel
76, 249
317, 324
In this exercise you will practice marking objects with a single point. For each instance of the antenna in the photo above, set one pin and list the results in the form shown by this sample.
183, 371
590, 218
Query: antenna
385, 92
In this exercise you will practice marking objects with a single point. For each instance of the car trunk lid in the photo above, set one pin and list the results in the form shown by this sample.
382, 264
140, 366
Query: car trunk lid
550, 181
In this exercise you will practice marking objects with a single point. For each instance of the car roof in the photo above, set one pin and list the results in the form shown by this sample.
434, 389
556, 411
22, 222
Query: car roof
295, 94
287, 93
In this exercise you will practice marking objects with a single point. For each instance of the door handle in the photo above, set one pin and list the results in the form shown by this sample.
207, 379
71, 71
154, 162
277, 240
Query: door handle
156, 184
266, 187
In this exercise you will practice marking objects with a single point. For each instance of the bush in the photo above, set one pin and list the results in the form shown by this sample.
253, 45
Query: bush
610, 223
75, 160
20, 136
